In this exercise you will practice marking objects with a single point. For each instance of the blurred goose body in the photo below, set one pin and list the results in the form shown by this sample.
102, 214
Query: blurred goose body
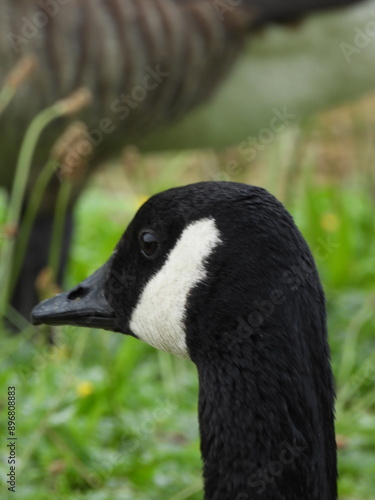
149, 63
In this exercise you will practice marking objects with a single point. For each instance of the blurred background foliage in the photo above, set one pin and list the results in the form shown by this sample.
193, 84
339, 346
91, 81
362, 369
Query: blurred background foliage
104, 417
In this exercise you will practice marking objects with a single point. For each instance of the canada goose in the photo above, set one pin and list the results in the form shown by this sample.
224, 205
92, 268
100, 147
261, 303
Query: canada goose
149, 63
219, 273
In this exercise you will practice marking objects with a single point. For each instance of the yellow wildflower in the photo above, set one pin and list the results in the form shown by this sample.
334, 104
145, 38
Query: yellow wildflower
85, 388
330, 222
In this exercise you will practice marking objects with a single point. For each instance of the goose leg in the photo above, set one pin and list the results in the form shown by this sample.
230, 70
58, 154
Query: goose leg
36, 258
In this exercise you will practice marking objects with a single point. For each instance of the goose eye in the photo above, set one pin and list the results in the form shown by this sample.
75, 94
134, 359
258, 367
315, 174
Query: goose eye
149, 243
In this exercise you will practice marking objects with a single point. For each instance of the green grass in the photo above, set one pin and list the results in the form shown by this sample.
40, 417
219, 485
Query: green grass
104, 417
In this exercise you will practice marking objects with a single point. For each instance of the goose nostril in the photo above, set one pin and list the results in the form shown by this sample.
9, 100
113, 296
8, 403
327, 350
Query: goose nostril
78, 293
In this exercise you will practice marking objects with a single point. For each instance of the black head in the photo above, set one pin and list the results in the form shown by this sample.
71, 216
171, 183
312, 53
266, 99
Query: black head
226, 257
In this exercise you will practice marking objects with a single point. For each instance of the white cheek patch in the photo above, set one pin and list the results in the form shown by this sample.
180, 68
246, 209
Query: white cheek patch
158, 318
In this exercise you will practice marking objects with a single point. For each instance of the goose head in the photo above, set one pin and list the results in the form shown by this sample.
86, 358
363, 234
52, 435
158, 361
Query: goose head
219, 273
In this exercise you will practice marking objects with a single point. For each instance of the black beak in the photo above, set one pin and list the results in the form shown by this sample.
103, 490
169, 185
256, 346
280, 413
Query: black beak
84, 305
